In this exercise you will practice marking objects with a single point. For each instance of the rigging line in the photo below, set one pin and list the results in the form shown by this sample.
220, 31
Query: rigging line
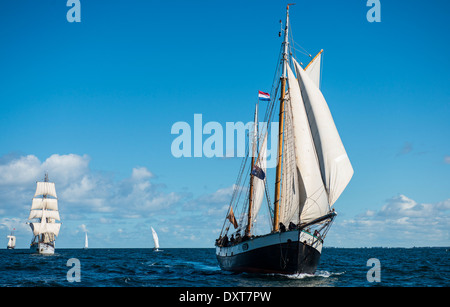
303, 52
237, 192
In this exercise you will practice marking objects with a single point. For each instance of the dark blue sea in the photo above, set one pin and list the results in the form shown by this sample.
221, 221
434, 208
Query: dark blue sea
192, 267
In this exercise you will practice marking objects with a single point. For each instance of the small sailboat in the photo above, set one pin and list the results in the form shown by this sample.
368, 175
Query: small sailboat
312, 171
11, 241
155, 240
44, 212
86, 241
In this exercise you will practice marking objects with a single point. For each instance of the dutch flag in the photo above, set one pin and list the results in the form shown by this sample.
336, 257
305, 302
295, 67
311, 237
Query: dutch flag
263, 96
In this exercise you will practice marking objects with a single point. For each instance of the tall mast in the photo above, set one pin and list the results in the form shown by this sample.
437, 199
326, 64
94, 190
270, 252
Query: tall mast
281, 124
250, 198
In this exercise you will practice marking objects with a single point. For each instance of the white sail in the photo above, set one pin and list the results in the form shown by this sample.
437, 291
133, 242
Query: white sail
37, 214
45, 188
290, 196
155, 238
335, 166
314, 69
52, 228
44, 228
259, 184
11, 241
44, 203
313, 202
86, 241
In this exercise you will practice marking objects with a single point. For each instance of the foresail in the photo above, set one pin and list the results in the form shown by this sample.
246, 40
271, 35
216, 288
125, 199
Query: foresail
313, 202
335, 166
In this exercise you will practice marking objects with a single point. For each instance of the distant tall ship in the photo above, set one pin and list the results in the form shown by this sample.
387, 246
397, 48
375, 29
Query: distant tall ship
44, 212
312, 171
11, 241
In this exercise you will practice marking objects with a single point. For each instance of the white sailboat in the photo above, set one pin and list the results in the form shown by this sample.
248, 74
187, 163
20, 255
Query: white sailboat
86, 241
11, 241
44, 212
155, 241
312, 171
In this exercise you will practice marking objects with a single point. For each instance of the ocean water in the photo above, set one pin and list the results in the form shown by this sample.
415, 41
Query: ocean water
192, 267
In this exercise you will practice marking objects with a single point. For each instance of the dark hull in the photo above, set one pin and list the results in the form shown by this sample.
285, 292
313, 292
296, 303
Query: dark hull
288, 257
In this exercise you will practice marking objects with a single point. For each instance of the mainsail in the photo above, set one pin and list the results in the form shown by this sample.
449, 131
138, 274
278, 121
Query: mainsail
311, 199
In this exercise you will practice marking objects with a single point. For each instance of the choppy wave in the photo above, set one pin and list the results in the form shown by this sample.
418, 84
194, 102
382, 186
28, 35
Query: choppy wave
199, 268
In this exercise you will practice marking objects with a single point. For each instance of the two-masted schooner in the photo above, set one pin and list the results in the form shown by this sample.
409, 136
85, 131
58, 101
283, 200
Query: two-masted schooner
312, 171
44, 212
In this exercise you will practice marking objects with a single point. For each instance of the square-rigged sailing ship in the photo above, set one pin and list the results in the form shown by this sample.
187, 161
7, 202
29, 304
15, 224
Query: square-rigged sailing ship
44, 211
312, 171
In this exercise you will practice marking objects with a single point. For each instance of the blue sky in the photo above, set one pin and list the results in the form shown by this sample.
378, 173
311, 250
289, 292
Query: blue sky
94, 102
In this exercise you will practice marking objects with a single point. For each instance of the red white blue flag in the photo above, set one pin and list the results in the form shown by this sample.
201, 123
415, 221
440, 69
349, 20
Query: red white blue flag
263, 96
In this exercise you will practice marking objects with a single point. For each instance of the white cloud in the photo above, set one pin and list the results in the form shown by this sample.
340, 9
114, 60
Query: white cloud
19, 171
401, 221
447, 159
80, 190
